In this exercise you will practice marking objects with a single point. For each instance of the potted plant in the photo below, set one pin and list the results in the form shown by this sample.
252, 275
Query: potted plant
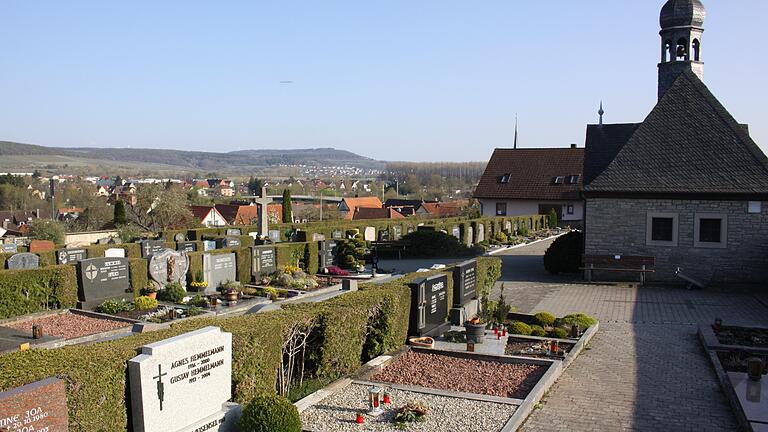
475, 330
231, 290
150, 291
199, 284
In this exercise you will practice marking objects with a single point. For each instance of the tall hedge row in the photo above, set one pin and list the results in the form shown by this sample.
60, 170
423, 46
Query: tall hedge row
28, 291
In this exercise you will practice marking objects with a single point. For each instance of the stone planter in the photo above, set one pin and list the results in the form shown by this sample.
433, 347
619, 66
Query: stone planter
475, 332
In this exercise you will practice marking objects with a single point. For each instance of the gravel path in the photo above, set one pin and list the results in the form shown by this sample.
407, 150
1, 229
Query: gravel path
69, 325
337, 412
514, 380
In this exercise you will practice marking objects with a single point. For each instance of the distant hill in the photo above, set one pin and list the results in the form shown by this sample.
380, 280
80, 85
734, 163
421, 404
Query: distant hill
27, 156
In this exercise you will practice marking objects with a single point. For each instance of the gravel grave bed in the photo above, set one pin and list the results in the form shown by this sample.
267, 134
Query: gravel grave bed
511, 380
69, 325
337, 412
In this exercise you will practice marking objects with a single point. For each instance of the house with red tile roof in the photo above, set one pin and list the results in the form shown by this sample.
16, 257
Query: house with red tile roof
362, 213
349, 206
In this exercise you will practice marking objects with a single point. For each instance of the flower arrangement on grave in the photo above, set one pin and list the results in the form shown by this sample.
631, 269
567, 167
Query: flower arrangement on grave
150, 291
294, 277
412, 412
335, 271
199, 281
231, 290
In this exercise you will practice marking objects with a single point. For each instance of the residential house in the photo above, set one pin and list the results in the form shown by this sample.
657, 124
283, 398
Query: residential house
519, 182
208, 216
239, 214
688, 185
348, 206
362, 213
439, 210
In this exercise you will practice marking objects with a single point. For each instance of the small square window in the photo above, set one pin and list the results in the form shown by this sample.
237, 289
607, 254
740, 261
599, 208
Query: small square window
710, 230
569, 209
574, 179
755, 207
559, 180
505, 178
501, 209
661, 229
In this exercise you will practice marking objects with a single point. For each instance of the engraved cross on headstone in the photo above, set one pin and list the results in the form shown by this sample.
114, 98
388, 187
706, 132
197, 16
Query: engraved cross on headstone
91, 272
263, 202
160, 385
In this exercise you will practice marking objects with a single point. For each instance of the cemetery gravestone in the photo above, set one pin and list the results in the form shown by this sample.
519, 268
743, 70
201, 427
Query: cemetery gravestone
38, 246
480, 233
384, 235
169, 266
264, 260
149, 247
464, 283
456, 233
40, 406
228, 242
23, 261
470, 235
327, 253
217, 269
397, 232
233, 232
508, 226
70, 256
429, 305
186, 246
317, 237
102, 279
410, 230
114, 253
209, 245
338, 235
186, 380
369, 234
274, 236
178, 238
8, 248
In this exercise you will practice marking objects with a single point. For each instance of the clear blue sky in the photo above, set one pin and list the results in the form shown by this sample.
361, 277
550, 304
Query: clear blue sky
394, 80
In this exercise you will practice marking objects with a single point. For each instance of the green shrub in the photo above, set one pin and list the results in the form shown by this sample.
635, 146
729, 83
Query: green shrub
270, 413
173, 292
558, 333
46, 229
583, 321
352, 252
501, 237
520, 328
545, 319
537, 330
194, 311
28, 291
198, 301
429, 244
115, 306
145, 303
564, 254
502, 310
552, 218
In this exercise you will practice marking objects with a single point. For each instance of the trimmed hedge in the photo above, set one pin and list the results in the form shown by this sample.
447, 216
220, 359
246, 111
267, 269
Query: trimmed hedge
28, 291
139, 274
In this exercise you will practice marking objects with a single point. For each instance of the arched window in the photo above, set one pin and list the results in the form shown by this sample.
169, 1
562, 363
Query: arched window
696, 50
667, 53
681, 52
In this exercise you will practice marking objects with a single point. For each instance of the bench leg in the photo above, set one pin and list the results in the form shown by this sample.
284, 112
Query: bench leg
642, 276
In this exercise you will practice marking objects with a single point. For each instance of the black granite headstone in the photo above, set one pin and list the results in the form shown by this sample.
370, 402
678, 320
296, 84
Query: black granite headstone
264, 260
101, 279
186, 246
71, 256
228, 242
149, 247
384, 235
429, 305
23, 261
464, 282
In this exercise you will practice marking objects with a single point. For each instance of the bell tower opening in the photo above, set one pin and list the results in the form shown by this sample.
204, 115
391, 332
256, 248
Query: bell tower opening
682, 27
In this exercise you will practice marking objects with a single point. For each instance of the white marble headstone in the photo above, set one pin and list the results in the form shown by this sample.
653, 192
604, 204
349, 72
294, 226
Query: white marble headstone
183, 383
370, 234
114, 253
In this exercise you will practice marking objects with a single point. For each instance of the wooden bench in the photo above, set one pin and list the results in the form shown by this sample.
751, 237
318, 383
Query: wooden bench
618, 263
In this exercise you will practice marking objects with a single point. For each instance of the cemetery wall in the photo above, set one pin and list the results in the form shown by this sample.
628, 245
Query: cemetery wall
28, 291
96, 374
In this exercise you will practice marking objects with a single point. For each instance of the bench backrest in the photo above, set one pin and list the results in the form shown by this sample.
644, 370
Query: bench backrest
619, 261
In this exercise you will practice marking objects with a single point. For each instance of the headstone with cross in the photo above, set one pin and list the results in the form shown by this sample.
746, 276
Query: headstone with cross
102, 279
263, 202
186, 379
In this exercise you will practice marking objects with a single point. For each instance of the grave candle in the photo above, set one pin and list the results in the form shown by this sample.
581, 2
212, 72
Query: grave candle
359, 419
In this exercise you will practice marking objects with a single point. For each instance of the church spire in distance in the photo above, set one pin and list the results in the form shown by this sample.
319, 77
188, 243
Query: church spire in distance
515, 131
600, 112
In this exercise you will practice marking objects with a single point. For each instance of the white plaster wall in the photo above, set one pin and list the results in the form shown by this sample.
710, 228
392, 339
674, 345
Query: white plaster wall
527, 207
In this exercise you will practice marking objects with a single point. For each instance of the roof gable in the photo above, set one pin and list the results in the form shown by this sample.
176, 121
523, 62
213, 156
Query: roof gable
689, 143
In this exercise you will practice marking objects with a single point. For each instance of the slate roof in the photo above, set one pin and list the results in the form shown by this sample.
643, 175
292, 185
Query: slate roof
688, 144
603, 143
531, 174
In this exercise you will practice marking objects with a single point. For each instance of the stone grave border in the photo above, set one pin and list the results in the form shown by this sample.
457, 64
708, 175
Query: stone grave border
61, 342
495, 250
712, 346
524, 406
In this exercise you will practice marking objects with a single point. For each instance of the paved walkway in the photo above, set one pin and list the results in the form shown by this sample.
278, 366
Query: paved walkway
645, 369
